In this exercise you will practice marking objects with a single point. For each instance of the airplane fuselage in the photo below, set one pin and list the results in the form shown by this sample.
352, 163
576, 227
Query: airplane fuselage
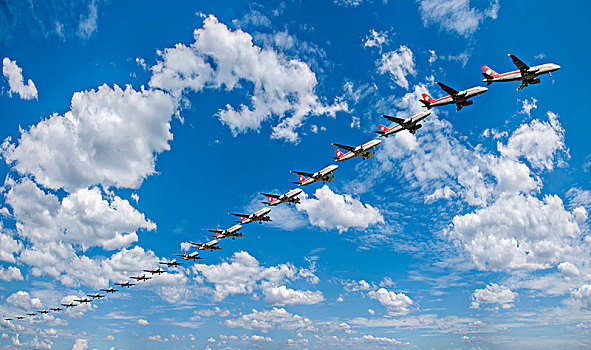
460, 98
414, 120
260, 215
322, 175
289, 197
361, 151
516, 75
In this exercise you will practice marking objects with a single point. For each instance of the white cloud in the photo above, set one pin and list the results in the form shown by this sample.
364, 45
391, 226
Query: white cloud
539, 142
355, 286
286, 296
142, 322
568, 269
445, 192
14, 74
582, 295
399, 64
80, 344
528, 105
276, 318
110, 137
11, 273
88, 25
396, 303
281, 87
493, 294
83, 217
368, 338
244, 275
8, 247
23, 300
456, 15
518, 231
342, 212
376, 39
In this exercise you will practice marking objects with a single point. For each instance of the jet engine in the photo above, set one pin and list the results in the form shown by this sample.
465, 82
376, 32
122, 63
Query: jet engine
534, 81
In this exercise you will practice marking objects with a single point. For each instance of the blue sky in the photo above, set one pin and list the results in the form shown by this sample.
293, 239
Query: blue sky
129, 127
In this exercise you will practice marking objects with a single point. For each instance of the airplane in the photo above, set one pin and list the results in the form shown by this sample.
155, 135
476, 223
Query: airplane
141, 278
259, 216
56, 309
364, 151
20, 317
526, 74
125, 284
192, 256
155, 271
322, 175
70, 304
211, 245
31, 314
95, 295
460, 98
83, 300
43, 311
411, 124
230, 232
289, 197
8, 319
172, 262
109, 290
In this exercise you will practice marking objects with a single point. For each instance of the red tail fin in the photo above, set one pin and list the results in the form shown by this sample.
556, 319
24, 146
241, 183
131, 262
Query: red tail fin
339, 153
382, 128
271, 199
302, 178
488, 71
428, 98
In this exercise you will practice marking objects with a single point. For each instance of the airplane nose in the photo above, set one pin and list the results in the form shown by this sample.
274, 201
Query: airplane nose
557, 67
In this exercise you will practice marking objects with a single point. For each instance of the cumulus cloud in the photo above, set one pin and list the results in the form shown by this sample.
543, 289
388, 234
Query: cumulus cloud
14, 74
274, 319
528, 105
355, 286
83, 218
456, 15
142, 322
399, 64
110, 137
539, 142
282, 88
286, 296
493, 294
582, 296
342, 212
80, 344
10, 273
244, 275
23, 300
396, 303
518, 231
375, 39
8, 247
568, 269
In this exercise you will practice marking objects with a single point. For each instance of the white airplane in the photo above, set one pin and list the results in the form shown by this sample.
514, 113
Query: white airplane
56, 309
230, 232
259, 216
460, 98
95, 295
125, 284
411, 124
364, 151
172, 262
70, 304
289, 197
43, 311
109, 290
211, 245
154, 271
141, 278
192, 256
526, 74
83, 300
322, 175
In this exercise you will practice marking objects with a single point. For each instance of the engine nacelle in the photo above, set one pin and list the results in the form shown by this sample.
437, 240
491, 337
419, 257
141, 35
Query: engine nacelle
534, 81
418, 126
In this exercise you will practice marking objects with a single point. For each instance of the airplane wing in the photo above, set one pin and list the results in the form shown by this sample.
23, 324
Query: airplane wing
348, 148
270, 195
213, 230
519, 63
394, 119
447, 89
238, 214
303, 173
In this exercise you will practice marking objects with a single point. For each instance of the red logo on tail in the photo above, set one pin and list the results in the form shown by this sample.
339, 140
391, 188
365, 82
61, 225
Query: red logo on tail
428, 98
382, 128
339, 153
302, 178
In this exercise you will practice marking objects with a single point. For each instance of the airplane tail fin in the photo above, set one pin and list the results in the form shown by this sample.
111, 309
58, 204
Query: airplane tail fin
271, 199
489, 73
427, 100
302, 178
